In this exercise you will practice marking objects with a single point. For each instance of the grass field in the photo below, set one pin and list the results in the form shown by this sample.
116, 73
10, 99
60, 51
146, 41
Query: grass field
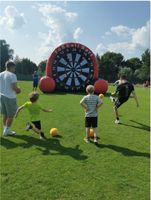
66, 168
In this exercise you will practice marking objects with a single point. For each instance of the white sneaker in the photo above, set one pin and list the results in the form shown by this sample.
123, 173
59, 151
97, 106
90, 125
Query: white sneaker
28, 126
112, 99
95, 140
42, 138
117, 121
86, 140
8, 132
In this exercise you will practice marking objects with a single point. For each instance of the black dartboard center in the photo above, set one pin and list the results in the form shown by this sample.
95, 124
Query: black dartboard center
72, 69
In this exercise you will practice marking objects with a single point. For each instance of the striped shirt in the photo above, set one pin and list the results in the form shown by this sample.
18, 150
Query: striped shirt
91, 101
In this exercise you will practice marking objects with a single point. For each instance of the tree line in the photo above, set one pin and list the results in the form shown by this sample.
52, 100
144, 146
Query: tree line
110, 64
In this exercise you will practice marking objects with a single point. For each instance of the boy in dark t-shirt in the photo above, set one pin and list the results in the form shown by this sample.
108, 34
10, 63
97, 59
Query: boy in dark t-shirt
123, 91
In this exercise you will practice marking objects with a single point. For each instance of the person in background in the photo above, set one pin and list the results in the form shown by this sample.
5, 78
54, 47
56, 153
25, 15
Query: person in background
8, 91
35, 80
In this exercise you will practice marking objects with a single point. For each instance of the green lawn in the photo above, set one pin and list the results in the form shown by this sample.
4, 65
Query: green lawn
66, 168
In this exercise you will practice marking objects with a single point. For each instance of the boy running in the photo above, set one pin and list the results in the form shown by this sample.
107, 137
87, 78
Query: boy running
34, 110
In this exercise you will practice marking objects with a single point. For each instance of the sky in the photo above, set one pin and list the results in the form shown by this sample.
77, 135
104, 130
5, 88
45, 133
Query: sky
35, 28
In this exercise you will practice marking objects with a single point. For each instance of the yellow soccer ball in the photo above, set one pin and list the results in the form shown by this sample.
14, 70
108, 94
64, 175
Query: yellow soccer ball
54, 132
91, 133
101, 96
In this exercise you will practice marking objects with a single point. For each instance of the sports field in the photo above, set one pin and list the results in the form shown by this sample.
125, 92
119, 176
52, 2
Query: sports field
65, 167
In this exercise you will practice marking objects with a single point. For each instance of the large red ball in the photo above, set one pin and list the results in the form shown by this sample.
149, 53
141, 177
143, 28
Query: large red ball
100, 86
47, 84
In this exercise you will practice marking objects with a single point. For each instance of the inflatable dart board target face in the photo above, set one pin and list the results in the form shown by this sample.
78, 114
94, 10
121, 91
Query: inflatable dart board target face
73, 66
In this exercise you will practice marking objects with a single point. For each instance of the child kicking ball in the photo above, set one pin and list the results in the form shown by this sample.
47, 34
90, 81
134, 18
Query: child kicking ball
34, 110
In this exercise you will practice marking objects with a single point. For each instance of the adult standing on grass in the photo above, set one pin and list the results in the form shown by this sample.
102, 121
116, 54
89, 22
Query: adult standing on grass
35, 80
123, 91
8, 91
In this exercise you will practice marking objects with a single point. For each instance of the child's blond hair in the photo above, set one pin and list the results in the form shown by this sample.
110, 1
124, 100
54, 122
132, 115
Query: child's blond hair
90, 89
33, 96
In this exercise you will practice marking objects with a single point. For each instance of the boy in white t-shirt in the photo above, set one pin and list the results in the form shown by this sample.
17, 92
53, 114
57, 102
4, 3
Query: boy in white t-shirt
8, 91
91, 103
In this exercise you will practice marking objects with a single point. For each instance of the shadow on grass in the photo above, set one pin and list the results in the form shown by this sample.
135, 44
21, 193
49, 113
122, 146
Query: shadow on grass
124, 151
50, 146
141, 126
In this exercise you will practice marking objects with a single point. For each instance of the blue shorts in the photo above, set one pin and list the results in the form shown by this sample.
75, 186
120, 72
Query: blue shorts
35, 83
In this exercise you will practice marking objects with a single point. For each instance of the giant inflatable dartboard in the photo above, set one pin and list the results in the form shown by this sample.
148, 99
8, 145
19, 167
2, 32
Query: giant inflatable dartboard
73, 66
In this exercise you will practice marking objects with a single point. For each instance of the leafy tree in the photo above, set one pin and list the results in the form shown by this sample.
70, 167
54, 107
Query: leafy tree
42, 67
25, 66
144, 72
133, 63
109, 65
146, 64
5, 54
128, 72
17, 61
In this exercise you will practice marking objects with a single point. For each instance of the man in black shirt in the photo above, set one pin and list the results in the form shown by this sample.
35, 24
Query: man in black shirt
123, 91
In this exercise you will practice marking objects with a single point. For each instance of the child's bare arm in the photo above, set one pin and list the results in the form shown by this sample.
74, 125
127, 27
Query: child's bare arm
83, 105
99, 105
46, 110
18, 110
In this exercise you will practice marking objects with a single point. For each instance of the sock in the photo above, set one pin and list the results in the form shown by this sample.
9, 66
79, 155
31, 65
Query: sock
95, 138
30, 126
7, 127
42, 135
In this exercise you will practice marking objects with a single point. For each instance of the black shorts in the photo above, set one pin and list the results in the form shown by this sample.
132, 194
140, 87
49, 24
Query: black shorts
119, 102
91, 122
37, 124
